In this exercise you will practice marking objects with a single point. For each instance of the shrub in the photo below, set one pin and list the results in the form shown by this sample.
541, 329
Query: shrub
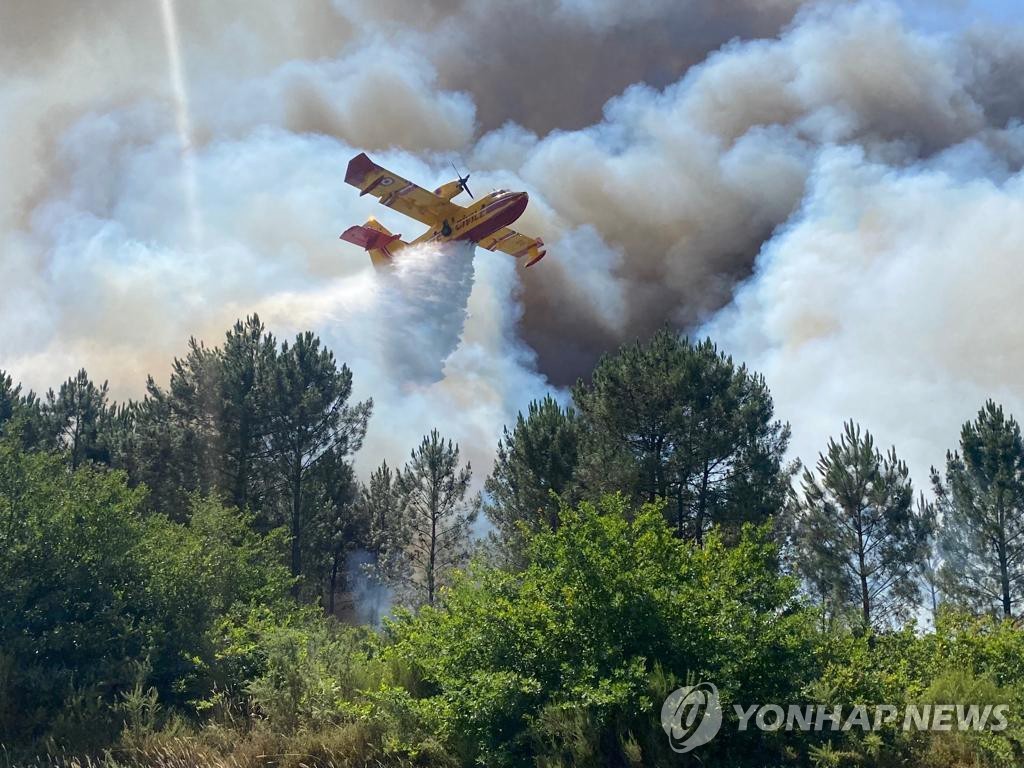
556, 662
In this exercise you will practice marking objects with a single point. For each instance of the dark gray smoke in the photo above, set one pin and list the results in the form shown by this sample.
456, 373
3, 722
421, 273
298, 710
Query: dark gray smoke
682, 158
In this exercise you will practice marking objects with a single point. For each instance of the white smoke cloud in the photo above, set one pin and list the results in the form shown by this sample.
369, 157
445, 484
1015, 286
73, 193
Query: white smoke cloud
893, 299
654, 205
123, 287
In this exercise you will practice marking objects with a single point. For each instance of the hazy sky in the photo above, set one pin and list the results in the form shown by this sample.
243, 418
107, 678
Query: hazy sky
951, 14
832, 190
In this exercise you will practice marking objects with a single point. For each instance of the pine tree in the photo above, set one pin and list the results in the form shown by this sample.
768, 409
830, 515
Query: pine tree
535, 467
389, 533
338, 524
161, 452
929, 568
75, 417
432, 492
682, 422
119, 437
386, 564
10, 398
248, 353
982, 505
207, 430
20, 415
858, 532
308, 418
192, 400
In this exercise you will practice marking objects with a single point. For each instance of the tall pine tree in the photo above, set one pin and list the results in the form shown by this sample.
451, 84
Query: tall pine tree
338, 524
10, 398
248, 354
21, 417
982, 505
389, 532
860, 538
75, 417
535, 467
308, 418
673, 420
432, 492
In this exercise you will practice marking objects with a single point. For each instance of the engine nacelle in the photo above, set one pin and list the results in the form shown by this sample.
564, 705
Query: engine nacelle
449, 190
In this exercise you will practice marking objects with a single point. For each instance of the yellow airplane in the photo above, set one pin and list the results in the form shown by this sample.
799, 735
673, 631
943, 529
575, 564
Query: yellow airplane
484, 223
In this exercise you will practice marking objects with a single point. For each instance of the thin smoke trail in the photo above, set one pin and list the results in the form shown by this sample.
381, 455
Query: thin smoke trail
183, 120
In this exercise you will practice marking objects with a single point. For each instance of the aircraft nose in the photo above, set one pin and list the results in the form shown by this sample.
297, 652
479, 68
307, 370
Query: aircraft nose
517, 204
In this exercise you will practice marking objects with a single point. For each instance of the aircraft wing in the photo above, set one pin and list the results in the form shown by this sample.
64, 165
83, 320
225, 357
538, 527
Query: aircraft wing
515, 244
397, 193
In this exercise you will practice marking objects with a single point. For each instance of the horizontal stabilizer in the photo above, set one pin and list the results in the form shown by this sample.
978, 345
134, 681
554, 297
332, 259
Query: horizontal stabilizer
370, 239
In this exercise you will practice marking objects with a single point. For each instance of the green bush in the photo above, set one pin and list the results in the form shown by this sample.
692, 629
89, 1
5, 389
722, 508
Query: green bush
313, 674
91, 592
521, 666
965, 660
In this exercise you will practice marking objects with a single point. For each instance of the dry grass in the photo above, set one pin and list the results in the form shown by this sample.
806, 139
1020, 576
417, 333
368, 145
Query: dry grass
347, 746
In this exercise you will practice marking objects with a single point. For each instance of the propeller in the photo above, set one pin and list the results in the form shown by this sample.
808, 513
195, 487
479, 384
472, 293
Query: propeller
463, 181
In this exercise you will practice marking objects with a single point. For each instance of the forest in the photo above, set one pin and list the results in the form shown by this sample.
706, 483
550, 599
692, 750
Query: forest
199, 578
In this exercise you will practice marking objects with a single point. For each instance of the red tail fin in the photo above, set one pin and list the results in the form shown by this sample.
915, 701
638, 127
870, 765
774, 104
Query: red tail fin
370, 239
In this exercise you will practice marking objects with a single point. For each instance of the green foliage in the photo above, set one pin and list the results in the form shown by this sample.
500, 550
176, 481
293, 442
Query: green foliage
75, 419
534, 471
89, 589
73, 587
579, 631
982, 501
988, 748
966, 660
679, 421
312, 674
859, 536
431, 497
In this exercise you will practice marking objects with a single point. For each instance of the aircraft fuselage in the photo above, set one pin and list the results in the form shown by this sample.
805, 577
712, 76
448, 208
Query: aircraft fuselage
479, 220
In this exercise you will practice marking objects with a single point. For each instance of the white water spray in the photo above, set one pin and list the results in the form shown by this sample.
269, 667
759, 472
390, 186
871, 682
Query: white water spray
183, 120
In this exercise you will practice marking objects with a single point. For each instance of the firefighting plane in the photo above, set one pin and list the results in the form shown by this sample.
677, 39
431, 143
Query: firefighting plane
485, 222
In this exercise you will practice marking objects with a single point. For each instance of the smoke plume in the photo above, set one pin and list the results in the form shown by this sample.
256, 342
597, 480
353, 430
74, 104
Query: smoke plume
829, 188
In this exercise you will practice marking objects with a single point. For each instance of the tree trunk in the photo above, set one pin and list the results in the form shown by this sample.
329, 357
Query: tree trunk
334, 584
296, 524
865, 600
862, 571
75, 438
432, 558
1004, 581
702, 505
659, 488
